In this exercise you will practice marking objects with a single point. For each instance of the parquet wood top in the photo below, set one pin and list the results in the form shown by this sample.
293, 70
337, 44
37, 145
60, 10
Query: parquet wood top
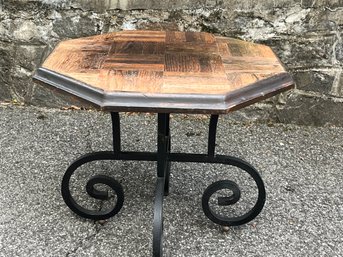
162, 63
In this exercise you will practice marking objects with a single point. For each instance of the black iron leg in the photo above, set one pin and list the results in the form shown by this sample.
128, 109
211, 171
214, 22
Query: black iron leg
162, 185
234, 197
163, 148
167, 147
231, 185
98, 179
236, 193
91, 190
116, 133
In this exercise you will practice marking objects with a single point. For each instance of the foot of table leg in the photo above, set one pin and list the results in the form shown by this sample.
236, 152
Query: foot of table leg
157, 231
235, 196
91, 190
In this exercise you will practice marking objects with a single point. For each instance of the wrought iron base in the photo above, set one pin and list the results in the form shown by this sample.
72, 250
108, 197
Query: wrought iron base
164, 157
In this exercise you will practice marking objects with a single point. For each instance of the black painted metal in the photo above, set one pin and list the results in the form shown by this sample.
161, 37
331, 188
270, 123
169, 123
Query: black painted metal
157, 231
168, 147
167, 176
255, 210
116, 132
164, 157
162, 186
163, 149
93, 192
230, 200
112, 183
162, 143
212, 135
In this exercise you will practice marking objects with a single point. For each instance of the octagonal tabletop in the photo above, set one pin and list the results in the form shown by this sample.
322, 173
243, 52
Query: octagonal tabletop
160, 71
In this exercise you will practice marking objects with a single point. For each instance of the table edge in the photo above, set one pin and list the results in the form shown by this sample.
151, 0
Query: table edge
176, 103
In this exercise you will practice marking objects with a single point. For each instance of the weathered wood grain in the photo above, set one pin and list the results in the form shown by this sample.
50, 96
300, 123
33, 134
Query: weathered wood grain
172, 63
199, 58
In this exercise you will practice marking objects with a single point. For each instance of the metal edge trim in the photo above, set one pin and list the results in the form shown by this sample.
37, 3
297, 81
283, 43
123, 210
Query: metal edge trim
69, 85
129, 99
259, 89
164, 102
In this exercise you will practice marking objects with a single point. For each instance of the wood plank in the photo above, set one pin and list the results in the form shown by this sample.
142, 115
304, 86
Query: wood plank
192, 63
252, 65
190, 48
176, 84
131, 80
141, 36
136, 62
137, 48
192, 37
234, 47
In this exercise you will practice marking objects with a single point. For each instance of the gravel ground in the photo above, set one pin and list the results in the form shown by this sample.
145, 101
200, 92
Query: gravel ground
301, 167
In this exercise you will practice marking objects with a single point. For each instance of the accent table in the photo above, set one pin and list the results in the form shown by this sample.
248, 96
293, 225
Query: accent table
164, 72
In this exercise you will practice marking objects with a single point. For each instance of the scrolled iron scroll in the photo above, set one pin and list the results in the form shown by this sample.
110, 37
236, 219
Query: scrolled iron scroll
91, 190
236, 194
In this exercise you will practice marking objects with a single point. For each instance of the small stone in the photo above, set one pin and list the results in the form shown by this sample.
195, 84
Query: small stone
102, 222
225, 229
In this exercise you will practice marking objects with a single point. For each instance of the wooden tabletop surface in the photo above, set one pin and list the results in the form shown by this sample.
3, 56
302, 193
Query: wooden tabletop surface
165, 71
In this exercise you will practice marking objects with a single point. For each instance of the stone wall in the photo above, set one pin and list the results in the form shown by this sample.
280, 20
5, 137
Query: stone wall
306, 34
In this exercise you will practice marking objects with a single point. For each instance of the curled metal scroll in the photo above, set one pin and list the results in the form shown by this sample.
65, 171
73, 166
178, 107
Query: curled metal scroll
234, 198
91, 190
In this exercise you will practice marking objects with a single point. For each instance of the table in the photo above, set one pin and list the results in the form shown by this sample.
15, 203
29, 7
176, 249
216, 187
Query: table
164, 72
